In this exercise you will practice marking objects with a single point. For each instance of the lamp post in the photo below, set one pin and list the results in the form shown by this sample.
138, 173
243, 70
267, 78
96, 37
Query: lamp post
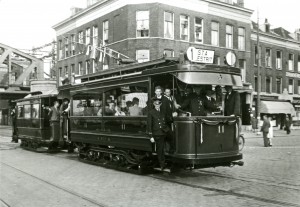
258, 74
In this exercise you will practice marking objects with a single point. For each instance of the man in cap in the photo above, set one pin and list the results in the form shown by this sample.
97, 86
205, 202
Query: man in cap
158, 129
209, 102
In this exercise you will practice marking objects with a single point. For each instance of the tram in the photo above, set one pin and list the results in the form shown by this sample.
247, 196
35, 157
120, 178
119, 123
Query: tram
33, 125
123, 141
106, 134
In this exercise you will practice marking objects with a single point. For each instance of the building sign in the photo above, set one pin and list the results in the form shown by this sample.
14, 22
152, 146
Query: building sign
293, 75
200, 56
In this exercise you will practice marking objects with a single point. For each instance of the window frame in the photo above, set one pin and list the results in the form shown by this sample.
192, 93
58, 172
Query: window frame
268, 60
218, 33
202, 30
105, 32
88, 36
95, 41
143, 50
290, 79
181, 21
227, 36
279, 78
173, 27
241, 39
137, 20
291, 62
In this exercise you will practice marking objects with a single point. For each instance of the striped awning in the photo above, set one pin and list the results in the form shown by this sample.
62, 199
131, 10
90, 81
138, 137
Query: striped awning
277, 107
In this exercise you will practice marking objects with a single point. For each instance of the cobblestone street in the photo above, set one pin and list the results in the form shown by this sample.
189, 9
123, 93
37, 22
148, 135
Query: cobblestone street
270, 177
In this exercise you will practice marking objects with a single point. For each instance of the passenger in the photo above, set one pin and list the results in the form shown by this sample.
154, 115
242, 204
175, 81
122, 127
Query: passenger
135, 110
110, 110
194, 103
88, 110
126, 109
158, 129
158, 93
54, 117
119, 112
145, 109
209, 102
232, 102
64, 113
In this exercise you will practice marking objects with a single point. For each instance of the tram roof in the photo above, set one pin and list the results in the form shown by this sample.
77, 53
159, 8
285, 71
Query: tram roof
160, 66
39, 95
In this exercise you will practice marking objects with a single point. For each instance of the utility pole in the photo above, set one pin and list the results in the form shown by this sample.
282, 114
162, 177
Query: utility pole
258, 73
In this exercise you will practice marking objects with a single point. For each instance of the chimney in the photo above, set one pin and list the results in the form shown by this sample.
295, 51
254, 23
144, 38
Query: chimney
75, 10
240, 3
267, 26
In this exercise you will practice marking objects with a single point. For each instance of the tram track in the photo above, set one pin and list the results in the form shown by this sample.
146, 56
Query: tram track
3, 203
169, 179
92, 201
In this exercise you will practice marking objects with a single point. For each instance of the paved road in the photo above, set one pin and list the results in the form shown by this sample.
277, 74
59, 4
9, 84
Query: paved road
270, 177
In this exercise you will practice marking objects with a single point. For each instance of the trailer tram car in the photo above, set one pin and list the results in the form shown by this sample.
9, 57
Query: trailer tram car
33, 125
123, 141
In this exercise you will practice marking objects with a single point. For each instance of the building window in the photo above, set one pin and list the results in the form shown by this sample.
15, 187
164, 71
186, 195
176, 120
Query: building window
268, 58
95, 36
73, 69
60, 52
105, 32
242, 65
255, 55
168, 53
217, 60
291, 86
80, 37
87, 66
80, 68
66, 47
268, 85
229, 36
169, 25
255, 83
278, 85
142, 56
142, 23
88, 36
278, 60
73, 45
291, 61
241, 38
184, 28
198, 30
66, 71
215, 33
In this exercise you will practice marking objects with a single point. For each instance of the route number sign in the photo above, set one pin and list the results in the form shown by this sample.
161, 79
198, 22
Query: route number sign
200, 56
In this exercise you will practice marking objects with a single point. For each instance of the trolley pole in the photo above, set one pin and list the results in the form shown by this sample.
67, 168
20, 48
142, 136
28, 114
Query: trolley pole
258, 74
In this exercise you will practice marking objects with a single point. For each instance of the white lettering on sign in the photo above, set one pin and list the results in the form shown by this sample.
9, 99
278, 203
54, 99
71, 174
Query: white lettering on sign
200, 56
293, 75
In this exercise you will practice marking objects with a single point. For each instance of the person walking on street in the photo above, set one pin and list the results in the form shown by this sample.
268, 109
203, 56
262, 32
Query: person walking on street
265, 130
288, 124
271, 132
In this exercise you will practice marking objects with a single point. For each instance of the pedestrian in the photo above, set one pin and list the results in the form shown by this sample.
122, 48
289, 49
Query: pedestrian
287, 124
158, 129
271, 132
14, 125
54, 120
64, 113
265, 130
254, 123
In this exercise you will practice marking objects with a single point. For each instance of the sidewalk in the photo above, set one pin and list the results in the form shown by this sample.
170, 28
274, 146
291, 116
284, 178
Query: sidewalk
277, 133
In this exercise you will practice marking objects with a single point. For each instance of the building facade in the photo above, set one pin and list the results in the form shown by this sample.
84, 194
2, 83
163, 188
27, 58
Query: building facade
146, 30
278, 57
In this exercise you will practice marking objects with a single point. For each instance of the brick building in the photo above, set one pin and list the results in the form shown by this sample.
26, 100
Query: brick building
146, 30
278, 56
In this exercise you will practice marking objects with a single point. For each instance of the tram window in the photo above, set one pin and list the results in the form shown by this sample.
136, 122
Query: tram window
129, 100
35, 111
20, 111
27, 111
87, 105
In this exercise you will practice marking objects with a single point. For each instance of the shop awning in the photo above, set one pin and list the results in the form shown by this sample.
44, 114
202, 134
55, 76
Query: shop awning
277, 107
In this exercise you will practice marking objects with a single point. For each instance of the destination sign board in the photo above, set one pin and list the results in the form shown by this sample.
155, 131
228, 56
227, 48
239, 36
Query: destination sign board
199, 55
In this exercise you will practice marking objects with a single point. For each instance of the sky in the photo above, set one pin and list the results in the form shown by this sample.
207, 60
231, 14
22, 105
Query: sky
28, 23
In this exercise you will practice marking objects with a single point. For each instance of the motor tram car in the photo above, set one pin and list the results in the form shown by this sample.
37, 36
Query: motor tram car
33, 125
106, 134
